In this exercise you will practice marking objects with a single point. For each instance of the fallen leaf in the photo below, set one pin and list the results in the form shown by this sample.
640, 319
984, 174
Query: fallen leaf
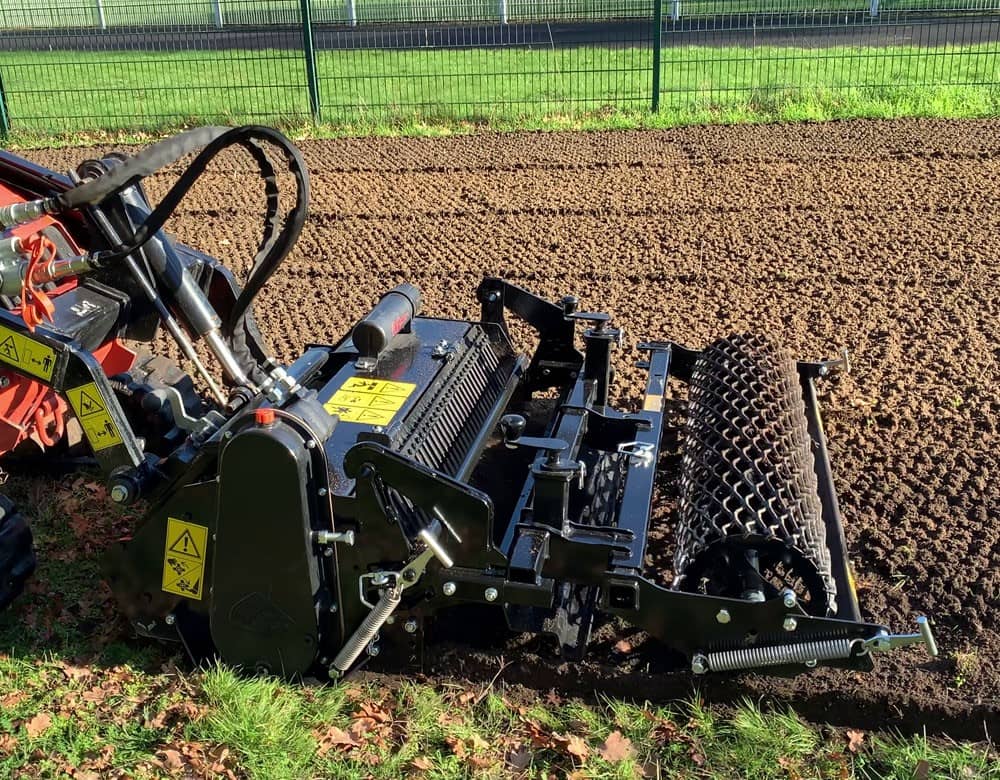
466, 696
457, 746
172, 759
423, 763
790, 766
11, 700
623, 646
334, 737
922, 770
518, 757
38, 724
573, 745
8, 743
552, 698
855, 739
617, 747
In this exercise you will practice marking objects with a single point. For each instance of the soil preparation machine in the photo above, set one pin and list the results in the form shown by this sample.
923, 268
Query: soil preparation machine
305, 517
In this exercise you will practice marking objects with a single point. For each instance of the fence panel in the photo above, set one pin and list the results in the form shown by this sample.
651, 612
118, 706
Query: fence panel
720, 56
153, 64
85, 65
501, 59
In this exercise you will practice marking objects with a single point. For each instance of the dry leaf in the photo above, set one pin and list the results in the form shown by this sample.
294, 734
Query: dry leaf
573, 745
922, 770
617, 747
8, 743
457, 746
552, 698
172, 759
518, 757
623, 646
466, 697
855, 740
38, 724
334, 737
423, 763
11, 700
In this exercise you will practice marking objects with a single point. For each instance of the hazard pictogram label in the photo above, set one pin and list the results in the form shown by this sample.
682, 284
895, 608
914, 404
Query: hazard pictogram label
26, 354
92, 413
368, 401
184, 559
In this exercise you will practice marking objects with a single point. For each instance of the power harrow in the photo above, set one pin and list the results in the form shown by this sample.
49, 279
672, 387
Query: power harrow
304, 518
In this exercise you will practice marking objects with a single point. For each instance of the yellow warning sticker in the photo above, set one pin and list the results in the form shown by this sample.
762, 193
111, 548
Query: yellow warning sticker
368, 401
184, 558
90, 410
26, 354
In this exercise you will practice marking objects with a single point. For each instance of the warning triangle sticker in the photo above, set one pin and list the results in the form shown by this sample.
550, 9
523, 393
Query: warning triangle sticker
9, 350
185, 545
88, 404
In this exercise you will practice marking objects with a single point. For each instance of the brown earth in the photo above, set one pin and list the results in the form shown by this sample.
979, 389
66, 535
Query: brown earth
879, 237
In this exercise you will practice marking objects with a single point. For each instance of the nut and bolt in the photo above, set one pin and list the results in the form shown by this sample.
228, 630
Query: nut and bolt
790, 623
311, 444
723, 616
373, 650
491, 594
322, 491
119, 494
170, 619
448, 589
4, 382
699, 664
410, 626
788, 598
390, 620
333, 609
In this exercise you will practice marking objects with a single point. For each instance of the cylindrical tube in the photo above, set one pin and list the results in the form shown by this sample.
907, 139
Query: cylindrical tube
390, 315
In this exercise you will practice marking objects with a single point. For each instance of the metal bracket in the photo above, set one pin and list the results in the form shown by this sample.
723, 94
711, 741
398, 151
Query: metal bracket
640, 453
393, 580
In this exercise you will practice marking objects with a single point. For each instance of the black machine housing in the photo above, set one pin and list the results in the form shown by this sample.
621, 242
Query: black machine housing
331, 507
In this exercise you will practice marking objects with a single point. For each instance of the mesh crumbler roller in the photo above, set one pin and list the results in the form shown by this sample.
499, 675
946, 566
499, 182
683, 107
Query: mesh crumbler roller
751, 522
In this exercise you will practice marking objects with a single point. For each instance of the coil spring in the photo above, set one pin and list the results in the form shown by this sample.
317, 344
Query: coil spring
368, 629
777, 655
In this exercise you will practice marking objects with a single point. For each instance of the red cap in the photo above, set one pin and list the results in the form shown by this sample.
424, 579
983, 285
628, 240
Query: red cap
264, 415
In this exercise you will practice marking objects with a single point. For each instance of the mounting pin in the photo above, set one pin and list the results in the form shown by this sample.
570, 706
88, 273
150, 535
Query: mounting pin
410, 626
790, 623
788, 598
491, 594
723, 616
699, 664
448, 589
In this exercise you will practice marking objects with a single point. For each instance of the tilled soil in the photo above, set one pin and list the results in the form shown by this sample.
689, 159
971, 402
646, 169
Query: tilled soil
878, 237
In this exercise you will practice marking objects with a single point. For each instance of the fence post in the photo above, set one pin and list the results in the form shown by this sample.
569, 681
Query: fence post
502, 11
352, 13
657, 45
308, 49
217, 12
101, 21
4, 116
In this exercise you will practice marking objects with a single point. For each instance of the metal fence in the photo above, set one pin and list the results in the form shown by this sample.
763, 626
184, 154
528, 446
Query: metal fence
86, 65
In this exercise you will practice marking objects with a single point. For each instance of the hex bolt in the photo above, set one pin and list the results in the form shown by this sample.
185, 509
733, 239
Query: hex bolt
333, 609
491, 594
311, 445
789, 599
448, 589
390, 620
119, 494
699, 664
170, 619
410, 626
790, 623
4, 381
322, 491
723, 616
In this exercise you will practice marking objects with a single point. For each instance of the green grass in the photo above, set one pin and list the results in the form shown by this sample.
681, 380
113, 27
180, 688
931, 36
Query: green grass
370, 91
16, 14
80, 698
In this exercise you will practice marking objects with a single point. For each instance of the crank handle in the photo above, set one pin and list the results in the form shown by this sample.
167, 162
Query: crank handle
884, 641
